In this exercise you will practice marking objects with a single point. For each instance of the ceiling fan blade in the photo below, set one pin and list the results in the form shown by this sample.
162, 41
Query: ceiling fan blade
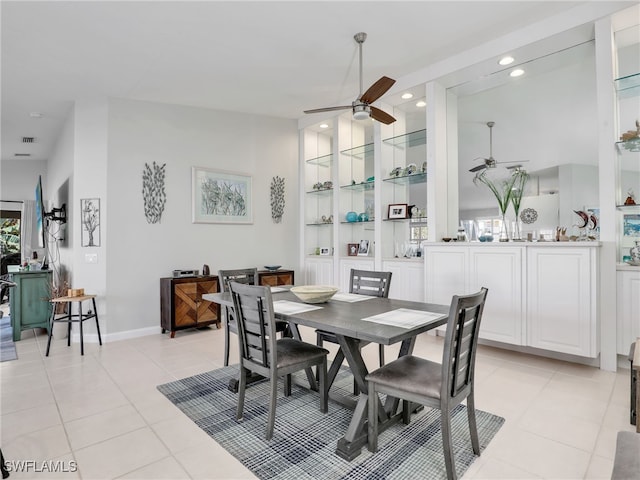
381, 116
376, 90
328, 109
515, 161
478, 168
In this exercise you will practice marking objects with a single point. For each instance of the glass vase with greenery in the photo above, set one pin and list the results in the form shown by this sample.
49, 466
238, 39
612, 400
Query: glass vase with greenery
503, 192
521, 177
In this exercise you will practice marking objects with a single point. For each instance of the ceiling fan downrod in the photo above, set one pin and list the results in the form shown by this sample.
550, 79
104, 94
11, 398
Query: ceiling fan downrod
360, 38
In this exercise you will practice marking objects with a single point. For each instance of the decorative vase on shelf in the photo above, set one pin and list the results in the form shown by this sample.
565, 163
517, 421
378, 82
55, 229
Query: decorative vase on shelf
516, 236
634, 252
504, 231
351, 217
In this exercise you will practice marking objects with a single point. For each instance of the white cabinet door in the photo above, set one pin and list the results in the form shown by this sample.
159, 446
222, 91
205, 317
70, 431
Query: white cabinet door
628, 321
407, 279
318, 271
562, 303
347, 264
500, 270
446, 273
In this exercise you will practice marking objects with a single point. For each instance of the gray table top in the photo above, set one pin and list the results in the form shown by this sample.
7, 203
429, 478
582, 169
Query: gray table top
345, 318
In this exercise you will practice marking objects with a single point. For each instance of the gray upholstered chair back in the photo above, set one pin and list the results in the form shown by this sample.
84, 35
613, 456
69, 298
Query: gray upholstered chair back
375, 284
255, 318
458, 359
248, 276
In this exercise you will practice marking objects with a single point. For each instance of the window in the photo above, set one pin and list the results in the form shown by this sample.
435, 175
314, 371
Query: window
9, 232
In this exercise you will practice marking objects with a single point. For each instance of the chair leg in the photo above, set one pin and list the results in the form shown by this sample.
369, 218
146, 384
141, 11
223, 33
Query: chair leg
322, 386
272, 405
226, 339
242, 384
381, 348
406, 412
473, 428
372, 428
319, 343
51, 323
287, 385
445, 421
95, 311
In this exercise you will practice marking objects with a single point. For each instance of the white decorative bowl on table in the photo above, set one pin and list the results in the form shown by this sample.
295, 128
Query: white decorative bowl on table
314, 293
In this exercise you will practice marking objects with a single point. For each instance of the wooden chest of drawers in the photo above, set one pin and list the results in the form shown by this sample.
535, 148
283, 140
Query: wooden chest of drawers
182, 306
275, 278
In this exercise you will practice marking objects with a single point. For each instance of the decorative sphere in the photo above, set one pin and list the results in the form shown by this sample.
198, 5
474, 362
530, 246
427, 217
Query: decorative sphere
352, 217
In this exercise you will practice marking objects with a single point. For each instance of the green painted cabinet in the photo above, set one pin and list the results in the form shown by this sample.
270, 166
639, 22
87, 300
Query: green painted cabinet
30, 306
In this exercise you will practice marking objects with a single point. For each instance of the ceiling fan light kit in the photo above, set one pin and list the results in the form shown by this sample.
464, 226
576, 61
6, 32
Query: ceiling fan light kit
361, 106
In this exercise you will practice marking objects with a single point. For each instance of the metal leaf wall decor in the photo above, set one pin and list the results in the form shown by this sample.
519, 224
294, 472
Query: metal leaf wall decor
153, 192
277, 199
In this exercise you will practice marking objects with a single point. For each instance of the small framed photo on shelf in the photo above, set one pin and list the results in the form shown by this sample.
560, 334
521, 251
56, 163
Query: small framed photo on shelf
363, 248
397, 210
352, 249
324, 250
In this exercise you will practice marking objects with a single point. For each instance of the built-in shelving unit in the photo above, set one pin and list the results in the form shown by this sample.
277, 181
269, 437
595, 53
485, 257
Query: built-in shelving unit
628, 86
420, 177
405, 140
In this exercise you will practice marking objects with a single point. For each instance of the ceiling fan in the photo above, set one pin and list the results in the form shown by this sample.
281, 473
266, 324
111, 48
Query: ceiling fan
491, 162
361, 106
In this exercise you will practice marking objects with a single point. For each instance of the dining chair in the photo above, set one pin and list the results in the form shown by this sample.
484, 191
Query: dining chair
248, 276
263, 353
361, 282
437, 385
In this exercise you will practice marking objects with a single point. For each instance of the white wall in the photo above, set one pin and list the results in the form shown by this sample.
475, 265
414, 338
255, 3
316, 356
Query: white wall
182, 137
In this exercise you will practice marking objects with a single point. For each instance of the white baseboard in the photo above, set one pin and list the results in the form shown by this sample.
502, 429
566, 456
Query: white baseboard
116, 336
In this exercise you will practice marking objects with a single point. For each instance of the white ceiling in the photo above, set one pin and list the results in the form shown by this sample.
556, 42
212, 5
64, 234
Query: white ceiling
264, 57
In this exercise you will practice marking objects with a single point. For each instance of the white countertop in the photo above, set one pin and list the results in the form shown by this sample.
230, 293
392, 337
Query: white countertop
517, 244
626, 266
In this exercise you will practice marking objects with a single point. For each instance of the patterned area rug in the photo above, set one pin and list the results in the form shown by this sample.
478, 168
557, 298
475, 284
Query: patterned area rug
7, 347
304, 441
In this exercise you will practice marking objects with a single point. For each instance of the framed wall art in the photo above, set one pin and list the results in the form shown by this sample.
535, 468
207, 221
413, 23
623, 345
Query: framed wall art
90, 219
220, 197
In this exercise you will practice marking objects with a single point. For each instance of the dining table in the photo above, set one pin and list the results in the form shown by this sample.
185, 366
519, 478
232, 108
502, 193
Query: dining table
356, 320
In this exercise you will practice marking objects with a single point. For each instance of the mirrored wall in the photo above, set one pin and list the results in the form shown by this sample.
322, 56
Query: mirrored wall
545, 123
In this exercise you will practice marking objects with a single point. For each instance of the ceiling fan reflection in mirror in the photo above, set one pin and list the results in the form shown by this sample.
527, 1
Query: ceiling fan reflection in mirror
491, 162
361, 106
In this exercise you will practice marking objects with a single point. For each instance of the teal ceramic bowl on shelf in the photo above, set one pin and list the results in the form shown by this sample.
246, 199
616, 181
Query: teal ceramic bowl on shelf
351, 217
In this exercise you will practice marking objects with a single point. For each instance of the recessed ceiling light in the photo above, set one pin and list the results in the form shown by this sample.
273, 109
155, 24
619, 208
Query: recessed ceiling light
508, 60
324, 125
517, 72
421, 103
407, 96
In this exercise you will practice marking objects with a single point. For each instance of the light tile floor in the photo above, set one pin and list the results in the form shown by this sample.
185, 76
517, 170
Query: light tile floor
103, 412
